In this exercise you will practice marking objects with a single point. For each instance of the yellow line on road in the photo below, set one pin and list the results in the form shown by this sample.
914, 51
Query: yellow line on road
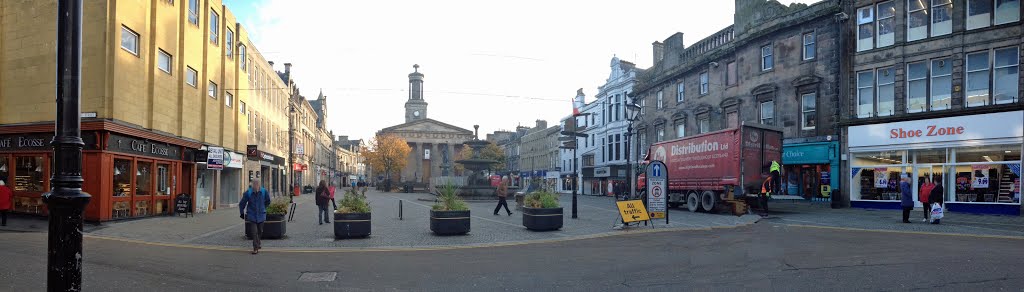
907, 232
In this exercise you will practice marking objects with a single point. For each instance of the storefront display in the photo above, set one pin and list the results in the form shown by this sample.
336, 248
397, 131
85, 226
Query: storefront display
806, 167
978, 164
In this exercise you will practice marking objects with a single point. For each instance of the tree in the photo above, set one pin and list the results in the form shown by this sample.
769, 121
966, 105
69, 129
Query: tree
491, 151
388, 153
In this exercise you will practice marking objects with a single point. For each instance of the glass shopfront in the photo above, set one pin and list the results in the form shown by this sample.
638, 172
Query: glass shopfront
809, 170
26, 175
979, 174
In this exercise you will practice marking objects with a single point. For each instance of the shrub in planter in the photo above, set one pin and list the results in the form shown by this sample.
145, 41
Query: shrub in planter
450, 216
352, 218
275, 226
541, 211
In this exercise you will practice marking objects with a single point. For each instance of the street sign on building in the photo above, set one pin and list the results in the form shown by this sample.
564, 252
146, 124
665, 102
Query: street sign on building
657, 190
299, 149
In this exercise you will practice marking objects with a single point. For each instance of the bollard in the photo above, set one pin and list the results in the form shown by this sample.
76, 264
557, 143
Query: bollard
399, 209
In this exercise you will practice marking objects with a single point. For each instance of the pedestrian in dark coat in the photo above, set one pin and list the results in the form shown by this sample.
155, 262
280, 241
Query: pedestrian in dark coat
938, 195
253, 209
502, 194
906, 197
323, 196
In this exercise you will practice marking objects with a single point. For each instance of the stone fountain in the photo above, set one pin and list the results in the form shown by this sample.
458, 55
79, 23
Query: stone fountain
478, 186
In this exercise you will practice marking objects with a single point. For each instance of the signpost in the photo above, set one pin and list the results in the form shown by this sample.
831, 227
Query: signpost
657, 190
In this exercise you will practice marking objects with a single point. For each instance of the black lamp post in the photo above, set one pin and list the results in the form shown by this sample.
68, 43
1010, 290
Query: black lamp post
292, 184
66, 201
632, 115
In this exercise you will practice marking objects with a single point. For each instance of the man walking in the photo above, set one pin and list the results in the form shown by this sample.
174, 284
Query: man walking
502, 194
906, 197
253, 209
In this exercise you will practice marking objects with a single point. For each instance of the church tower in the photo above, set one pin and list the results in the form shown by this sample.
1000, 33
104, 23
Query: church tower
415, 108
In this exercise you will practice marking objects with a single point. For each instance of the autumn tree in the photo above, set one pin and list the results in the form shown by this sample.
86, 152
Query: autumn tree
491, 151
389, 153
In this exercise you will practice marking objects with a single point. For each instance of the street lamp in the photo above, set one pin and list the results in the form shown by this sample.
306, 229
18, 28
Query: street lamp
66, 201
291, 160
632, 115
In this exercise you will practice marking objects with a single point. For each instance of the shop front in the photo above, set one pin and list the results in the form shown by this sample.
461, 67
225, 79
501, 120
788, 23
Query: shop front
231, 185
810, 170
128, 175
976, 158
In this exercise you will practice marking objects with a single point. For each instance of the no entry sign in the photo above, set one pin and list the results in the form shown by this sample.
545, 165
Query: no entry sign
657, 190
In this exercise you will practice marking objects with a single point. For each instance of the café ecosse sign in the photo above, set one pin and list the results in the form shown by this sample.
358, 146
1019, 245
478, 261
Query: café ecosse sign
973, 127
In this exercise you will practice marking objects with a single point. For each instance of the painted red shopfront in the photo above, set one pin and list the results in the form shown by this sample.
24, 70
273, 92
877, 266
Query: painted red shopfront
129, 172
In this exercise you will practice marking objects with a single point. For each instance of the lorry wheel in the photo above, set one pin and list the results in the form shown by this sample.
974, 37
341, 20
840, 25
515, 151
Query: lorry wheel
708, 201
692, 203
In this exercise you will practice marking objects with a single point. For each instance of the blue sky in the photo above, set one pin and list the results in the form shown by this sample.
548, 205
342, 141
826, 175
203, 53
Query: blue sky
496, 64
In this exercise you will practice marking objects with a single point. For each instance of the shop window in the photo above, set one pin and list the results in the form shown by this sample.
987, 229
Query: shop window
876, 175
122, 177
5, 170
942, 17
29, 174
163, 180
143, 178
986, 174
942, 85
917, 87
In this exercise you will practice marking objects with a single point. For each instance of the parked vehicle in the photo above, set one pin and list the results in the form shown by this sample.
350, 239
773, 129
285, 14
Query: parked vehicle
718, 168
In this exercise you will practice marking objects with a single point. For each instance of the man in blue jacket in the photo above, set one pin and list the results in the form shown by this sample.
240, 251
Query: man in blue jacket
253, 209
906, 197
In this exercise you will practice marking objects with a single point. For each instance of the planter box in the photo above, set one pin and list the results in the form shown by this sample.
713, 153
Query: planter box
449, 222
542, 219
273, 228
351, 225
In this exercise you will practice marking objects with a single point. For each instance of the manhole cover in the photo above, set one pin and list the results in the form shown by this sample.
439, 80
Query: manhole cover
318, 277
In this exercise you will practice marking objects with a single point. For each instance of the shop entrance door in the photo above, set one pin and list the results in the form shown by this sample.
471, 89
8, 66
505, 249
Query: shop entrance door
926, 173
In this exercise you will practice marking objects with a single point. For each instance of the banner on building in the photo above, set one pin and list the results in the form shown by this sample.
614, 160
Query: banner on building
215, 158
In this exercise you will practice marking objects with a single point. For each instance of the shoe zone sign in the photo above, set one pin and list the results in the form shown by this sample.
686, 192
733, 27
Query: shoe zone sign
657, 190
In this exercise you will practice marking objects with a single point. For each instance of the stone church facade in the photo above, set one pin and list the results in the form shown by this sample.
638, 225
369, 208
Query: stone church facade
434, 144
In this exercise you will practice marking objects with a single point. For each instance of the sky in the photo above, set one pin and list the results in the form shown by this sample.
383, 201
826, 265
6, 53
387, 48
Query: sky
494, 64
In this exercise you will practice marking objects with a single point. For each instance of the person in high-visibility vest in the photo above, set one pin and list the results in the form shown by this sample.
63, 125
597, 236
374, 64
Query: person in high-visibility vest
769, 186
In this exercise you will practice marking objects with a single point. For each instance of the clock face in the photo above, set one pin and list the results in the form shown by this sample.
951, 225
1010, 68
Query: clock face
416, 113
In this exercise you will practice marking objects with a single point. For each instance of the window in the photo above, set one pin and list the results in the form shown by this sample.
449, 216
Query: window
768, 112
979, 13
917, 20
977, 79
213, 90
163, 61
704, 83
214, 27
679, 92
643, 106
618, 147
1005, 75
660, 130
1007, 11
865, 28
229, 40
618, 107
917, 87
191, 76
886, 23
661, 103
129, 40
680, 129
241, 107
241, 58
766, 58
942, 84
865, 94
886, 91
730, 73
193, 12
809, 47
229, 99
704, 125
611, 148
808, 106
28, 173
942, 17
143, 178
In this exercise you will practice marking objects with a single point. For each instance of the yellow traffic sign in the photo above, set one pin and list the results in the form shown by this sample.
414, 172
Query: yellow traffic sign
632, 211
657, 215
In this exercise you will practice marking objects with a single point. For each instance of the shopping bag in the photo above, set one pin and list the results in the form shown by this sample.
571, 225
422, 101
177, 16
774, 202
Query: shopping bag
936, 211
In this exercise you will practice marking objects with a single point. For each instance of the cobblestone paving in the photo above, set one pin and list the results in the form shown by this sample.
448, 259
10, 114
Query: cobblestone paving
819, 214
223, 227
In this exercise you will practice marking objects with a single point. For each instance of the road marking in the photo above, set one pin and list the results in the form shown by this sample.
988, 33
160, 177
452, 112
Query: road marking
909, 232
204, 235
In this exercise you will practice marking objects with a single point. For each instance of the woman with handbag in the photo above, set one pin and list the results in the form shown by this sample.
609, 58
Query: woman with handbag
936, 198
923, 196
323, 195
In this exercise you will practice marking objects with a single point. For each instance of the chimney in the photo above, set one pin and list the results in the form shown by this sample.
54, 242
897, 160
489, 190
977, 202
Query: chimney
542, 124
659, 52
288, 68
271, 64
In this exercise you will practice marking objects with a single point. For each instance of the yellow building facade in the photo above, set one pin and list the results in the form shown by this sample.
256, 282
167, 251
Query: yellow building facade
163, 83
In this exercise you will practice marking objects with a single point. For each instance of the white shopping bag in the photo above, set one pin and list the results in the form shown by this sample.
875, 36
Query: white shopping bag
936, 211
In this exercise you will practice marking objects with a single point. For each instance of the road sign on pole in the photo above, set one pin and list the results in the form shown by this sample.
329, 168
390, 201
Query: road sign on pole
657, 190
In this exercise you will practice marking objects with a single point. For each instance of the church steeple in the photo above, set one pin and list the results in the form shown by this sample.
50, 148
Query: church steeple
415, 107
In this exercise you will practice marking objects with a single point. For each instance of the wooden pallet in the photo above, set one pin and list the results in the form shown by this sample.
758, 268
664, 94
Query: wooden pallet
738, 207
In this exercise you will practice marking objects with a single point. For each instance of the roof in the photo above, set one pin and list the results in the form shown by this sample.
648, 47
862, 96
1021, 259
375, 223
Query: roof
424, 121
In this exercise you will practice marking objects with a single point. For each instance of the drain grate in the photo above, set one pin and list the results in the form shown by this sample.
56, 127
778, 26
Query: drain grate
318, 277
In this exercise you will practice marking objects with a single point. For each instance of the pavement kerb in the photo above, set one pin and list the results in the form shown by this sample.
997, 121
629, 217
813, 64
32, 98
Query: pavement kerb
418, 248
906, 232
